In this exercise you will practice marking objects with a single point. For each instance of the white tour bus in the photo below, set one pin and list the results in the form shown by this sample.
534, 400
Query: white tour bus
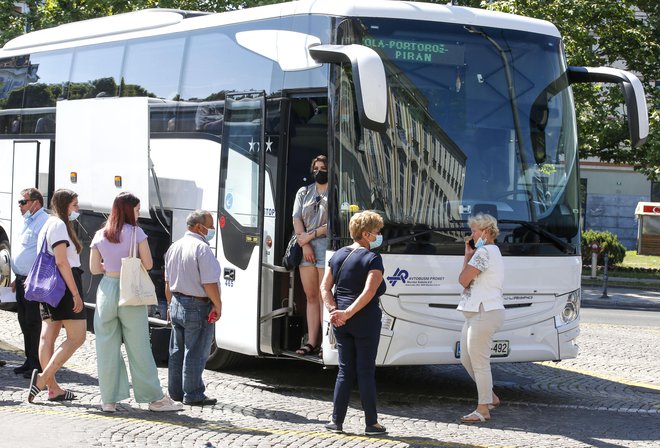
428, 113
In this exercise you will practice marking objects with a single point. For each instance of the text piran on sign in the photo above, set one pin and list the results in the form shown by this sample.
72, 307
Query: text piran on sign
415, 51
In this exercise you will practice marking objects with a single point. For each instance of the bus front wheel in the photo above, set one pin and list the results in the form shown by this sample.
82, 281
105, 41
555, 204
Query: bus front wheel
221, 359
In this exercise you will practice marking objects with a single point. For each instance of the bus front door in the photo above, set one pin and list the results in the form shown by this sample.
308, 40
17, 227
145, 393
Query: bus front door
240, 225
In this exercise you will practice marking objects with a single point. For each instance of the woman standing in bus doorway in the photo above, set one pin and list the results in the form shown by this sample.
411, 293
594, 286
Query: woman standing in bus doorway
114, 324
70, 313
357, 273
310, 219
482, 305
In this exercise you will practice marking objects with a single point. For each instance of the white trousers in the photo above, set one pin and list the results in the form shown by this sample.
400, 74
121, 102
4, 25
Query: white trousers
476, 340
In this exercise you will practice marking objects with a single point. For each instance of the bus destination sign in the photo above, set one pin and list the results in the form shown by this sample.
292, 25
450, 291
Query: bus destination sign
417, 51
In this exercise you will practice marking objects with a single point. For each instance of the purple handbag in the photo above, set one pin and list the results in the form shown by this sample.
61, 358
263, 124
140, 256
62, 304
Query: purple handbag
44, 283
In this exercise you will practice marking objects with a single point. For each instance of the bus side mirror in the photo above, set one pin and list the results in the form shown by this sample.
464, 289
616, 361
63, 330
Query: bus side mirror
368, 77
633, 92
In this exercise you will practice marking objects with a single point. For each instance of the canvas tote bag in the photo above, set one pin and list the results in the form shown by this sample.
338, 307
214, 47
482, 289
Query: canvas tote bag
135, 286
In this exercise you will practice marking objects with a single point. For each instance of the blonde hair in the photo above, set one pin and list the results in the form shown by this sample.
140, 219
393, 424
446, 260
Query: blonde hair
366, 221
485, 222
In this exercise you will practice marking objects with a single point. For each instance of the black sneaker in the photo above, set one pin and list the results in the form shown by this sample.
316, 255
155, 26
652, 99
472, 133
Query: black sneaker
373, 430
206, 401
334, 427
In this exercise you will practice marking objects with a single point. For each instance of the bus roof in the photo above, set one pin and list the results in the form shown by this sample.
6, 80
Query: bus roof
163, 21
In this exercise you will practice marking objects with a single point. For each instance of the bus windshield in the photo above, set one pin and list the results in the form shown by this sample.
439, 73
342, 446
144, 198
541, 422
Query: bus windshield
480, 120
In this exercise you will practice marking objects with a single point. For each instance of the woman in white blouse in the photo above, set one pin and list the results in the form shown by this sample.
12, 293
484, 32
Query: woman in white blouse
482, 305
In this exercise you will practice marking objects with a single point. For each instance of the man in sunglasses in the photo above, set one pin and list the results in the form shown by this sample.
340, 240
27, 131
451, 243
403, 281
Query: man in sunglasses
29, 316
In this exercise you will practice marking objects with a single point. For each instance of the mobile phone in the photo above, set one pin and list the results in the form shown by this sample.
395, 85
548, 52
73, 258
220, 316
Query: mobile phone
471, 243
213, 316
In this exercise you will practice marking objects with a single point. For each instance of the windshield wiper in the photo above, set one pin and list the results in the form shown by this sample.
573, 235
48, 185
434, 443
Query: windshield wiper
412, 236
534, 227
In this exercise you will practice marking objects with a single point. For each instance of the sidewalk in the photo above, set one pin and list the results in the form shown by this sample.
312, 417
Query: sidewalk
628, 298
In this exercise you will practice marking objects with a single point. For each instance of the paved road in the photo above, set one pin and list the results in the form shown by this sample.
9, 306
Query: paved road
620, 317
609, 396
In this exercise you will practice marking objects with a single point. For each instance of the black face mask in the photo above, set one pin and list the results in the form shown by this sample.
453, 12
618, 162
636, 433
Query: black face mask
321, 177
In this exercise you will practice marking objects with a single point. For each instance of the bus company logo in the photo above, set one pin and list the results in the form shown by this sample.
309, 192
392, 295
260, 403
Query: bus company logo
399, 274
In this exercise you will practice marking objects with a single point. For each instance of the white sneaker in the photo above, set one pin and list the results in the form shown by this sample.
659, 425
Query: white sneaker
165, 404
109, 407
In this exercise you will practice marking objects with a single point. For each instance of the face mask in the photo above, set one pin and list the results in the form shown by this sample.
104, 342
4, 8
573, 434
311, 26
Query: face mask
377, 242
27, 214
480, 242
210, 233
74, 215
321, 177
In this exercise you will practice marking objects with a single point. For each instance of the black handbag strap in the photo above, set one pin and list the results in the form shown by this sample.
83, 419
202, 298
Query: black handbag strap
344, 262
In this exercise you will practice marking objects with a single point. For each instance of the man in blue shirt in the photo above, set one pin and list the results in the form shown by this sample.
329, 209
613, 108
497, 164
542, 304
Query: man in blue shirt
192, 273
29, 316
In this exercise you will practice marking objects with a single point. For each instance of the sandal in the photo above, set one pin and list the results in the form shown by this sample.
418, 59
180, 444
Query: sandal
474, 417
34, 390
306, 349
66, 396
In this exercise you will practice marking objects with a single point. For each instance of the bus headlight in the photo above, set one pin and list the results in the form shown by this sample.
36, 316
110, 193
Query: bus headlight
386, 321
571, 309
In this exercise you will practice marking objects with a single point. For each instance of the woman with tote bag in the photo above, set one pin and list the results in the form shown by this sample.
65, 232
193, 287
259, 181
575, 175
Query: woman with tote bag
114, 323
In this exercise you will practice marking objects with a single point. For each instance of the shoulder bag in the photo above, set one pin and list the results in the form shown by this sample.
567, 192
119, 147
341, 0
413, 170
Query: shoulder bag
44, 283
293, 253
135, 285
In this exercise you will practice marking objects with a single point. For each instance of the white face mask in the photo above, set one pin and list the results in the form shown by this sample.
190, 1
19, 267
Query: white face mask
74, 215
480, 242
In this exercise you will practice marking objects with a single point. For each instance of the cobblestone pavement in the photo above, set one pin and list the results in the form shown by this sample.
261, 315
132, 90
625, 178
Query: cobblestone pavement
608, 397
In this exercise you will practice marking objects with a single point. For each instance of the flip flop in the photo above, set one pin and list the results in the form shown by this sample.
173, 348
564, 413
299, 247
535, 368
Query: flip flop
470, 418
34, 390
66, 396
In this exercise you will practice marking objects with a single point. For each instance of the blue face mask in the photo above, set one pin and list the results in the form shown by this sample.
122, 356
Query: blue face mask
480, 242
74, 215
377, 242
27, 214
210, 233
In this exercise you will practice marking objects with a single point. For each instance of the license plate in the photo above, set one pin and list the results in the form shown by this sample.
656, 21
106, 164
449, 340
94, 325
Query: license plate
499, 349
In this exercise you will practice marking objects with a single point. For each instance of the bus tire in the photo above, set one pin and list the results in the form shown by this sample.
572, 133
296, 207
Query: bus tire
221, 359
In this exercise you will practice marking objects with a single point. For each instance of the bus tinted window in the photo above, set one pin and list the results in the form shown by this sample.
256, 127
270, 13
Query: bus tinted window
52, 76
152, 68
14, 74
96, 71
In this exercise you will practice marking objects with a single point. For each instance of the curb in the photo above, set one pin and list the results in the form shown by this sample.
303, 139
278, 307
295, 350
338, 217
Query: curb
614, 304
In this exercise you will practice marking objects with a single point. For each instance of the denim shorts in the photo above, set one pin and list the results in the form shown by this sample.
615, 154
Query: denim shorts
319, 245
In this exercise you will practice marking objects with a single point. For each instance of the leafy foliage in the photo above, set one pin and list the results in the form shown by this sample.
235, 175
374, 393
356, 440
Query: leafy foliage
609, 243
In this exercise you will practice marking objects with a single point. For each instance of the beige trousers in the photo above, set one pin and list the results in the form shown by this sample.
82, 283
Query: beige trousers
476, 340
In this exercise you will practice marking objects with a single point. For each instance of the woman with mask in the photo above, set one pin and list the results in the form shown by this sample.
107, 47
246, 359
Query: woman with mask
482, 305
62, 242
128, 324
310, 218
355, 314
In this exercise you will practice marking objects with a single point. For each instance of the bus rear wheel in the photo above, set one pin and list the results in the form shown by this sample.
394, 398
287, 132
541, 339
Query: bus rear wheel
221, 359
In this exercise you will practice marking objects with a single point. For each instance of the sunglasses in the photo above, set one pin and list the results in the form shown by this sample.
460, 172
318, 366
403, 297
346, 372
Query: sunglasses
317, 201
22, 202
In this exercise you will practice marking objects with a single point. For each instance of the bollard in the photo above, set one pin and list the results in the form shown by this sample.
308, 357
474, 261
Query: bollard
594, 263
605, 296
